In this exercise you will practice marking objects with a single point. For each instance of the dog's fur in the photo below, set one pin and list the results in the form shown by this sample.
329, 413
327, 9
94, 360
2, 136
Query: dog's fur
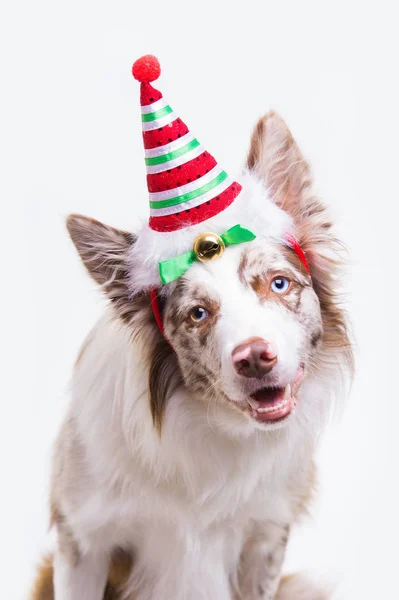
160, 463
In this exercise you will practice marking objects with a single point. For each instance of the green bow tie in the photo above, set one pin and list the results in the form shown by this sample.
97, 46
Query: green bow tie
172, 269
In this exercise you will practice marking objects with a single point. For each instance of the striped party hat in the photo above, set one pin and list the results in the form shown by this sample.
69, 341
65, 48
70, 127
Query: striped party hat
185, 183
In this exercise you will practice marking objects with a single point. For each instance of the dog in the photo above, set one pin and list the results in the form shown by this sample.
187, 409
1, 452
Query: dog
187, 454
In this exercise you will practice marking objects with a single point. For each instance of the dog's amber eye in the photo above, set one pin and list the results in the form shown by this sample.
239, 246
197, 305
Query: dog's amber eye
198, 314
280, 285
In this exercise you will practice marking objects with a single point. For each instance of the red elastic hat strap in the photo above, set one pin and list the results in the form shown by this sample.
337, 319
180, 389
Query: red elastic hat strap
294, 245
156, 309
154, 297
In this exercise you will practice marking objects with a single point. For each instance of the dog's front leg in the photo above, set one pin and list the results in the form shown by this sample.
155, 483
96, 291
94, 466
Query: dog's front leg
77, 575
84, 578
261, 561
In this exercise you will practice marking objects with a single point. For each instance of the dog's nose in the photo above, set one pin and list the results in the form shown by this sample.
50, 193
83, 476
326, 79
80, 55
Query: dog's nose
254, 358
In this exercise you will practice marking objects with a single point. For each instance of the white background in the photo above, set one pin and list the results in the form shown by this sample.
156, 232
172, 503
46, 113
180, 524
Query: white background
71, 142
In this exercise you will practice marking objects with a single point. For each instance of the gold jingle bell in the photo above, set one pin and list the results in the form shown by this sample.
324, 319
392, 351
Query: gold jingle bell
208, 246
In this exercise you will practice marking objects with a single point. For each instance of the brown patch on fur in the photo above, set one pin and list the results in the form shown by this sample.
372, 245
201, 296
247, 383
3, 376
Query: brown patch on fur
315, 339
164, 379
242, 265
55, 515
43, 586
119, 571
120, 568
275, 158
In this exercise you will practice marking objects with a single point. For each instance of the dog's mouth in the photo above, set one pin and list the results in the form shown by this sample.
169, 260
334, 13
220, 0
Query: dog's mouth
271, 404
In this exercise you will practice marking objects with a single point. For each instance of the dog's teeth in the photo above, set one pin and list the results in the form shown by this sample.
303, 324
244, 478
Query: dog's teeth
253, 403
287, 393
272, 408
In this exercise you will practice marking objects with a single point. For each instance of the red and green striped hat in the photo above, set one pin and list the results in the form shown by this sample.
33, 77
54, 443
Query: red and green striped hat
185, 183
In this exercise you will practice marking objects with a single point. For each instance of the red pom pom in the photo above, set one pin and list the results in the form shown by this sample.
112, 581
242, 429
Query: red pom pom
146, 69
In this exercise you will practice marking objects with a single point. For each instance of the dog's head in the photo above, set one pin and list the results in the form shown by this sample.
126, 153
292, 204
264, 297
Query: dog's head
244, 332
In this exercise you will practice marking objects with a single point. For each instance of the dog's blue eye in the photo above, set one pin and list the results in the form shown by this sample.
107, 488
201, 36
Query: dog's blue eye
280, 285
198, 314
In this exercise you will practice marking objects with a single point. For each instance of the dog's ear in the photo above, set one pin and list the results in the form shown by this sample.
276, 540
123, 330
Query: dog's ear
104, 252
275, 159
103, 249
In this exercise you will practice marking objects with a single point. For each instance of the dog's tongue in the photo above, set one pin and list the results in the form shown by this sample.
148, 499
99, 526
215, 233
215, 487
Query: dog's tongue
270, 404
